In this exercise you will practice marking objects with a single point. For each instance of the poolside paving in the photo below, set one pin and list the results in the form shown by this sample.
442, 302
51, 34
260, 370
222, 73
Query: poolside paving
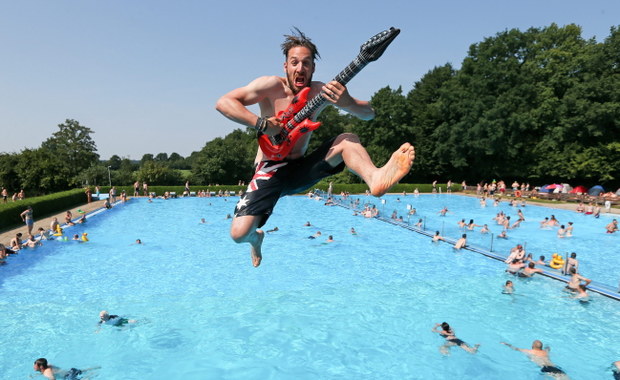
6, 236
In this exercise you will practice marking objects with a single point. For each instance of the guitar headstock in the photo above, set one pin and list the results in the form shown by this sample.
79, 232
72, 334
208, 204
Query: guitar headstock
376, 45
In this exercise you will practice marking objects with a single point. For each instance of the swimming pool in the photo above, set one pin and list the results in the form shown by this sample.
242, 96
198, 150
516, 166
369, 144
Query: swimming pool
359, 308
596, 250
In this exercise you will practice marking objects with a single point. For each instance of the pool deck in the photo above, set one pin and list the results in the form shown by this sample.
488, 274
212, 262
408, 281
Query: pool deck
88, 208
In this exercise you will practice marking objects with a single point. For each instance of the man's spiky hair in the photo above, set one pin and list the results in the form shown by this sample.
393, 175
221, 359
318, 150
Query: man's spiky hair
298, 38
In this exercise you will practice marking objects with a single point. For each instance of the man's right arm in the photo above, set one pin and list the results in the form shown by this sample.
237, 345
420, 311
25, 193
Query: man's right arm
234, 104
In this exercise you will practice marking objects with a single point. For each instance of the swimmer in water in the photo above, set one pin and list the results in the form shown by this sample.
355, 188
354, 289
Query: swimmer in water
461, 243
540, 356
446, 331
114, 320
437, 237
509, 288
52, 372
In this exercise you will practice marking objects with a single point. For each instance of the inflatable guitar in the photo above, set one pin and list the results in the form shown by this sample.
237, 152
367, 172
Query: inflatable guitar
296, 116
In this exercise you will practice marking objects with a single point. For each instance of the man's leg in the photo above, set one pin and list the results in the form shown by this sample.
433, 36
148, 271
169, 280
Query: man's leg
244, 229
347, 148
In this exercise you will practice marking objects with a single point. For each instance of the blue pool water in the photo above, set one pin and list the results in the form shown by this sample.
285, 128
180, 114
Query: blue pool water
359, 308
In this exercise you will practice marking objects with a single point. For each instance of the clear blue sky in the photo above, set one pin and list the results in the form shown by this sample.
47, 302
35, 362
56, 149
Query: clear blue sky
145, 75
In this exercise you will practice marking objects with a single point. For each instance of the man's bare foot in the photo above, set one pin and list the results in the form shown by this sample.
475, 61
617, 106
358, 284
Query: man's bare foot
396, 168
255, 249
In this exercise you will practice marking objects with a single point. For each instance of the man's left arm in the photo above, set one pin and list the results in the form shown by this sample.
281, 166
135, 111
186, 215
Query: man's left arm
338, 94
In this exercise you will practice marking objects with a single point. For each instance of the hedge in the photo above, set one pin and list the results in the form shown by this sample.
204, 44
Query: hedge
42, 206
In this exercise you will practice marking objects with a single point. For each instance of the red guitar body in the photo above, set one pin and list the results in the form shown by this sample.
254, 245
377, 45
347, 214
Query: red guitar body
279, 146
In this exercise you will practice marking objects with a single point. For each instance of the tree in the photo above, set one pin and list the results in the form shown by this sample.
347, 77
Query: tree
226, 160
146, 158
114, 162
74, 149
95, 175
37, 170
125, 174
161, 157
158, 173
8, 174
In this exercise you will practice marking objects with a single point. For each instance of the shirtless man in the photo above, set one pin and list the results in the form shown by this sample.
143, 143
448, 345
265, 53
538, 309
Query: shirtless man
52, 372
530, 270
68, 218
461, 243
561, 231
612, 227
298, 171
575, 280
437, 237
16, 242
28, 219
540, 356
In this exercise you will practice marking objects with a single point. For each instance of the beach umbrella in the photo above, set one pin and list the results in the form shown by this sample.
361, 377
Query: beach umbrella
596, 190
579, 189
545, 189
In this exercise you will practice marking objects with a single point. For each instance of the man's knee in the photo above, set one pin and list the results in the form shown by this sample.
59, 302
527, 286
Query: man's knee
242, 227
347, 138
238, 233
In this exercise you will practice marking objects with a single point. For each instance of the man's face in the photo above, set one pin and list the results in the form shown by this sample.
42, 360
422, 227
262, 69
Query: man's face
299, 67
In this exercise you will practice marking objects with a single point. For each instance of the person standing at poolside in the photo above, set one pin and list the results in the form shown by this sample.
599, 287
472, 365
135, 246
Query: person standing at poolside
112, 194
136, 188
274, 179
28, 219
540, 356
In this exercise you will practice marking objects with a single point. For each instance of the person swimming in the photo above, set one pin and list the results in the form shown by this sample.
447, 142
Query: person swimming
114, 320
451, 339
540, 356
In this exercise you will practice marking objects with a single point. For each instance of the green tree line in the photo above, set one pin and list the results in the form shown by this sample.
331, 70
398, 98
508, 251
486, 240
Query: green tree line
541, 105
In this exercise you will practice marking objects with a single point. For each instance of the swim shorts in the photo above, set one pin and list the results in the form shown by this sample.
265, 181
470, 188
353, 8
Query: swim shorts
275, 179
73, 374
551, 369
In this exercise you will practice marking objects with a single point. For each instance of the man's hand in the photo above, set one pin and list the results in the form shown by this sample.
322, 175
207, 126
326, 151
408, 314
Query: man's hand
274, 126
336, 93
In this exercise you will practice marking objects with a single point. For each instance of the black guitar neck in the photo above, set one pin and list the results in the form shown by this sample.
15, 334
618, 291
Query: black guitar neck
343, 78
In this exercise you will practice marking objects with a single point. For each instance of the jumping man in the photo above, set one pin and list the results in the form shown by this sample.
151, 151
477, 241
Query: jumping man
298, 171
